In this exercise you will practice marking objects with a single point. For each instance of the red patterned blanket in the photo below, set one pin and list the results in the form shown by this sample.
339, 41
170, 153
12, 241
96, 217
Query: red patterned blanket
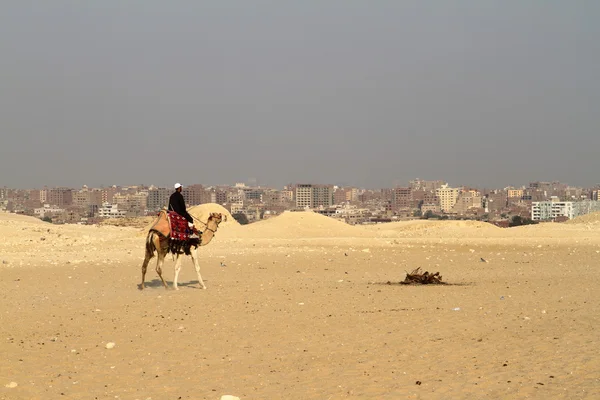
179, 227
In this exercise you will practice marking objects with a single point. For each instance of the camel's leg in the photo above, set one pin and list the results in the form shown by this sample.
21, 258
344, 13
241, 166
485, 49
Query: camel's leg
194, 254
144, 268
159, 264
147, 258
177, 269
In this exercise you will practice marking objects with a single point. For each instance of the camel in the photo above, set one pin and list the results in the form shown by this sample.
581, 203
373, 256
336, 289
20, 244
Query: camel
159, 243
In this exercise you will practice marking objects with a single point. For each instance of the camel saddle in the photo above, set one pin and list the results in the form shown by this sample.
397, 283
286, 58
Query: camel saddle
162, 224
173, 226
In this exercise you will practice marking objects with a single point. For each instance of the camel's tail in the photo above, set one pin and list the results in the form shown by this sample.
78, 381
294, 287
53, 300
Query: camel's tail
150, 248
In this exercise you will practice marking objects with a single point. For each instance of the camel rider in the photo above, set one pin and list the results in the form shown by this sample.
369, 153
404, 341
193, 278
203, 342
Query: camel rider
177, 204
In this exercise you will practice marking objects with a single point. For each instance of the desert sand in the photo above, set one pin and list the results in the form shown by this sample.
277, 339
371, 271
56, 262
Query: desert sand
301, 306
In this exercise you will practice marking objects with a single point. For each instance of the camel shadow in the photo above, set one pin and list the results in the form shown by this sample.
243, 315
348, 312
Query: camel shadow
157, 283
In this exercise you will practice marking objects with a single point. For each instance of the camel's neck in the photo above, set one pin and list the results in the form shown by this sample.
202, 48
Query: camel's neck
208, 234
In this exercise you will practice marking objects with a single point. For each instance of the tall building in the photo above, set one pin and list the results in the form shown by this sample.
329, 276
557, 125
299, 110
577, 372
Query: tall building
448, 197
340, 196
108, 193
220, 197
81, 199
496, 202
60, 197
157, 198
467, 200
402, 198
193, 194
313, 196
96, 197
44, 196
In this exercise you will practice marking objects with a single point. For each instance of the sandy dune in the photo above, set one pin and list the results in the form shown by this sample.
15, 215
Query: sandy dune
298, 307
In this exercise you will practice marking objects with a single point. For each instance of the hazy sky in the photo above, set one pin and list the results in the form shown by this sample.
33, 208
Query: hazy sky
369, 93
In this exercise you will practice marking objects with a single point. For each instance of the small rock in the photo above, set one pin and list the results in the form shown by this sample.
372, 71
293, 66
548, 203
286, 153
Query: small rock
11, 385
110, 345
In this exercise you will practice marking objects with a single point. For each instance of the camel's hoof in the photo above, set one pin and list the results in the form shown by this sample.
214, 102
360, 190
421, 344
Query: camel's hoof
203, 288
141, 287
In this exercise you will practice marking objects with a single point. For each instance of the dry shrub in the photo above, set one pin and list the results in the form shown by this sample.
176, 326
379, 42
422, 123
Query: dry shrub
425, 278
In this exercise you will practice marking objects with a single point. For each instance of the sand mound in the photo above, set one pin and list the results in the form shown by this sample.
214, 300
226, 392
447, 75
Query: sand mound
428, 228
422, 224
201, 212
290, 225
592, 218
10, 217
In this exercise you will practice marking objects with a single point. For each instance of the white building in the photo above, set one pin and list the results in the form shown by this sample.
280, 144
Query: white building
110, 211
314, 196
447, 196
549, 210
46, 210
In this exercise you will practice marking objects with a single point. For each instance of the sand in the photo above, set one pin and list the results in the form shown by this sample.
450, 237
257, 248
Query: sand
299, 307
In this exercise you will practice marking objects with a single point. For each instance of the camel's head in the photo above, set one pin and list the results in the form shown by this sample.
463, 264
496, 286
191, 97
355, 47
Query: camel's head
217, 218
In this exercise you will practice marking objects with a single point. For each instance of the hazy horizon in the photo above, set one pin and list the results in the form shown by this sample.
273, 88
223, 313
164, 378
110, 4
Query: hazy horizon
369, 94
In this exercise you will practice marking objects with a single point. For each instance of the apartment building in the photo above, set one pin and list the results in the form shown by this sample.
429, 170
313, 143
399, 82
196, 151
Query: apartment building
402, 198
448, 197
195, 194
313, 196
132, 204
61, 197
81, 199
111, 211
467, 200
550, 210
514, 193
44, 195
157, 198
108, 194
47, 211
496, 202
